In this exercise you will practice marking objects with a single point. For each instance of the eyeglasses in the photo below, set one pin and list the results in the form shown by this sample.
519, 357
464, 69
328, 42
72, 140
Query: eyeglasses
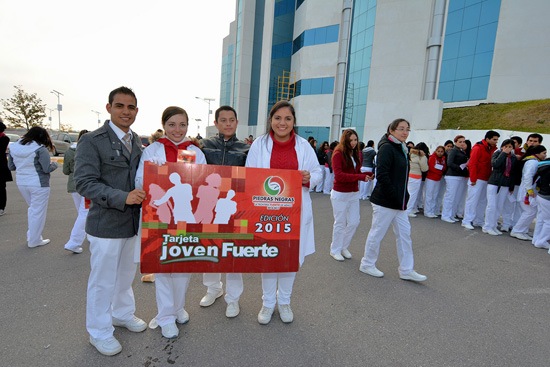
401, 130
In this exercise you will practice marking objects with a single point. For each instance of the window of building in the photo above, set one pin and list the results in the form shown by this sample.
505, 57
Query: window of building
306, 87
316, 36
468, 50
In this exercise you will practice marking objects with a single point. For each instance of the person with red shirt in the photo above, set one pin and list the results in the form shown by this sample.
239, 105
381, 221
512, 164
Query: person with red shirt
437, 166
346, 164
282, 148
480, 170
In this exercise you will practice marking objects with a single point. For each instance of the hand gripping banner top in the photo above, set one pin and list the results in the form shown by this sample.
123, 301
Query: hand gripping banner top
220, 219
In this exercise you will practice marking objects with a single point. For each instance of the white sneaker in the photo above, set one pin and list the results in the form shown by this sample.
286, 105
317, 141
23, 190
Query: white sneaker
492, 232
413, 275
374, 272
210, 298
182, 317
520, 236
264, 317
232, 309
44, 242
504, 228
170, 331
2, 212
135, 324
467, 226
337, 257
76, 250
411, 215
107, 347
546, 247
285, 313
450, 220
346, 254
430, 215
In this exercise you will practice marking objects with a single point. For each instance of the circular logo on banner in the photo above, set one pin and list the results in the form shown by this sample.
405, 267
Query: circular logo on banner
274, 185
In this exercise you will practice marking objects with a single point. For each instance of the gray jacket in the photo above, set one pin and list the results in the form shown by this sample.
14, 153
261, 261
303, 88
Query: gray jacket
105, 173
232, 152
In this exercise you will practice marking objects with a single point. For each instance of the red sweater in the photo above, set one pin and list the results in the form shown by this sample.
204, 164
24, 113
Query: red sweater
480, 161
346, 179
433, 173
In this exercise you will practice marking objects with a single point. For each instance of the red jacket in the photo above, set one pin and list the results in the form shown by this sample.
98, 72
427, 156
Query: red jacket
480, 161
346, 178
435, 174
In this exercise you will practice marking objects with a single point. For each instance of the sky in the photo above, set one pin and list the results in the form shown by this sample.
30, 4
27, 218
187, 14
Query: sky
168, 52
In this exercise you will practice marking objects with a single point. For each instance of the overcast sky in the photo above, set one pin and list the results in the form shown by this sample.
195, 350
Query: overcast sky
168, 52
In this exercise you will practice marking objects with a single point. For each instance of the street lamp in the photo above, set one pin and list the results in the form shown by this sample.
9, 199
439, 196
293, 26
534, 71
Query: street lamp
207, 100
50, 118
59, 107
98, 120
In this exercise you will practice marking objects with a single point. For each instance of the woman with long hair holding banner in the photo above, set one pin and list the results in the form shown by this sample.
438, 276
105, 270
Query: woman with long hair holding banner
281, 148
346, 164
170, 288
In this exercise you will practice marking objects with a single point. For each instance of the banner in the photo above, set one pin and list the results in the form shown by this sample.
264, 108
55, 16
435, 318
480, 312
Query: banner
220, 219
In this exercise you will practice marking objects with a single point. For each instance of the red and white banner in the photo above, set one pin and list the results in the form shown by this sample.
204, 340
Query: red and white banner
220, 219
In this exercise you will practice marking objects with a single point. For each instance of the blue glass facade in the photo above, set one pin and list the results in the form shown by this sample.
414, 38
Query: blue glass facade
256, 63
468, 50
226, 80
316, 36
359, 62
237, 50
307, 87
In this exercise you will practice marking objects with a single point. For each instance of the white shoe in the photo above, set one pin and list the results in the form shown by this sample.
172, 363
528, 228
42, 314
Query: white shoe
210, 298
264, 317
504, 228
170, 331
337, 257
182, 317
413, 275
135, 324
374, 272
411, 215
76, 250
448, 220
44, 242
520, 236
492, 232
285, 313
107, 347
346, 254
232, 309
2, 212
430, 215
543, 247
467, 226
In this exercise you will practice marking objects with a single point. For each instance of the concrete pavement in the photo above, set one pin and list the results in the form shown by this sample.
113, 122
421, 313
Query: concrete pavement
484, 303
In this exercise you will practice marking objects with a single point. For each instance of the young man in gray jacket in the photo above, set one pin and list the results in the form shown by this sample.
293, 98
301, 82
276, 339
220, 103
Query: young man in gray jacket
105, 169
224, 150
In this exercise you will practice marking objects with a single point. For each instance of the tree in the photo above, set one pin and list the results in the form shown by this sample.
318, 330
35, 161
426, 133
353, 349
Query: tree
23, 109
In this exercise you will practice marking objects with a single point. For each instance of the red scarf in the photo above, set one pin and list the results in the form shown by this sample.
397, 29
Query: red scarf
171, 149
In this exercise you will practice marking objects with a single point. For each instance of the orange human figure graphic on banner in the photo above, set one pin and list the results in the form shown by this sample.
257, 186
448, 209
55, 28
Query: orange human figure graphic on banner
208, 197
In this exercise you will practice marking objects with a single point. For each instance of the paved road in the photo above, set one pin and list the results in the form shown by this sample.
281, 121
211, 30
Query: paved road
485, 303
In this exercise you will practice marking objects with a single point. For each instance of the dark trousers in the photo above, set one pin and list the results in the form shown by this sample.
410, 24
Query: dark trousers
3, 195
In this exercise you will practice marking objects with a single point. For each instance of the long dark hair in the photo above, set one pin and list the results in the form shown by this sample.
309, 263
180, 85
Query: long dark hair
345, 147
277, 107
39, 135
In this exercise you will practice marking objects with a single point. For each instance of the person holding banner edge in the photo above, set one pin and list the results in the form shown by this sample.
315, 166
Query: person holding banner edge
224, 150
170, 288
282, 148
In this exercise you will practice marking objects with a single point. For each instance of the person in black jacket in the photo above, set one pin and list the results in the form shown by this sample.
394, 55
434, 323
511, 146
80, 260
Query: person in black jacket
456, 180
5, 173
224, 150
500, 188
389, 203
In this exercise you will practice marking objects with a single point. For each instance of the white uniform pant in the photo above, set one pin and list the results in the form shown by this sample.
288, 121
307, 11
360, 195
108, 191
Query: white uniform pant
78, 233
476, 203
456, 187
322, 184
495, 205
414, 189
420, 196
529, 212
514, 207
170, 290
37, 200
329, 181
233, 288
110, 291
440, 196
431, 206
381, 219
365, 188
277, 288
541, 236
345, 207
